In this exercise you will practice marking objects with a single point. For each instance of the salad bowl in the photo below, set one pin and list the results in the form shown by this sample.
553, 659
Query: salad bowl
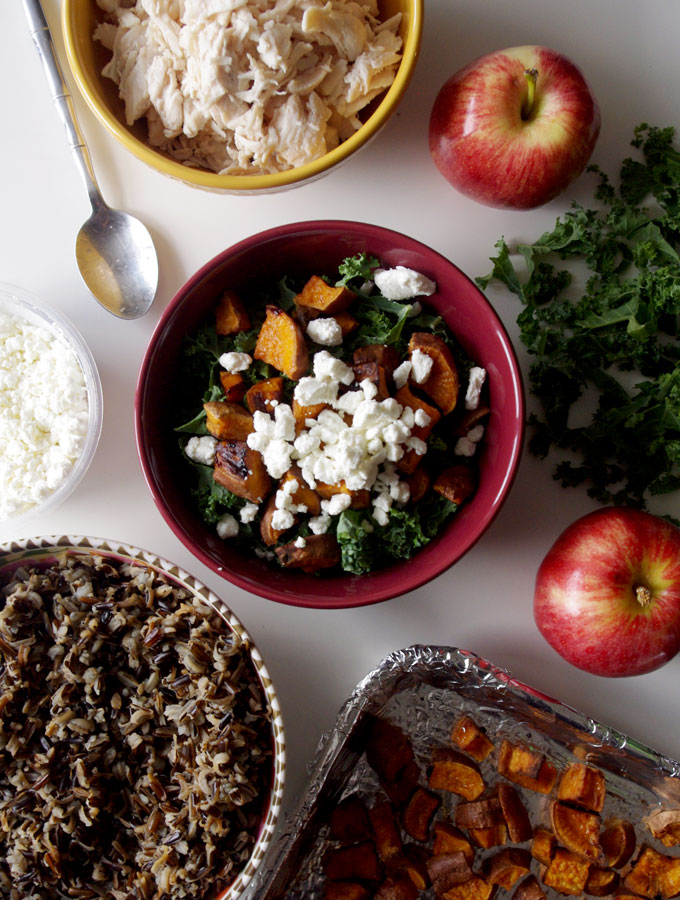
299, 250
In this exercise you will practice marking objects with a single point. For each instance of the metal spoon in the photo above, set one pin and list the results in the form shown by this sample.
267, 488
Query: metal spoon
115, 252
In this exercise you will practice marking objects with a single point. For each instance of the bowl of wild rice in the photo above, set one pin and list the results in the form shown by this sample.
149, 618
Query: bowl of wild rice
141, 742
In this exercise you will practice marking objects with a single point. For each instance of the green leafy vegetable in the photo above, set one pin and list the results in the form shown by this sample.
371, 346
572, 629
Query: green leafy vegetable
360, 266
605, 363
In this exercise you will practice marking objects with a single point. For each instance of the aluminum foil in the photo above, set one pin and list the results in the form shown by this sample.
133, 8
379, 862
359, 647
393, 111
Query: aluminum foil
424, 689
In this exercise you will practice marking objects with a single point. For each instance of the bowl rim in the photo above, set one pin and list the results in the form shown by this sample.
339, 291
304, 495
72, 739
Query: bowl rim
11, 552
373, 588
21, 302
202, 178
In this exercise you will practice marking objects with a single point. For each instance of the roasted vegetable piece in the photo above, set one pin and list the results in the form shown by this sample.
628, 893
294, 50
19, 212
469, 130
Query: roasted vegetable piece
543, 845
230, 314
418, 482
349, 821
486, 813
449, 839
515, 814
506, 867
259, 396
567, 872
347, 323
374, 373
384, 355
227, 420
664, 824
385, 831
269, 534
654, 874
241, 471
388, 750
304, 495
577, 830
476, 888
346, 890
469, 737
601, 881
419, 813
618, 842
233, 385
321, 551
443, 382
470, 419
317, 294
353, 862
457, 484
413, 862
301, 413
453, 771
281, 344
529, 889
526, 767
494, 836
447, 870
359, 499
582, 786
397, 887
410, 460
400, 789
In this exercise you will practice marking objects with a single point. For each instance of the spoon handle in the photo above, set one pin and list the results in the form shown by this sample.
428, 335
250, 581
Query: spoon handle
61, 96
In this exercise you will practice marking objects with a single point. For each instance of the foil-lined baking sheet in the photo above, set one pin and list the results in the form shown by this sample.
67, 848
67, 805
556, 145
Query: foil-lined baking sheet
424, 689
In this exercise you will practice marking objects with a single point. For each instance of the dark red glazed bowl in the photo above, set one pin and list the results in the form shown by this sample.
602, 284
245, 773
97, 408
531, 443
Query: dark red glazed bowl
306, 248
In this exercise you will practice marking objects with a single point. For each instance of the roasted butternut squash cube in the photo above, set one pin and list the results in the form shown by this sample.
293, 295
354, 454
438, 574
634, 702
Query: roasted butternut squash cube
419, 813
418, 482
567, 872
230, 314
617, 840
227, 420
602, 881
582, 786
384, 355
265, 395
476, 888
281, 344
241, 470
302, 413
526, 767
413, 862
320, 295
577, 830
543, 846
406, 397
233, 385
470, 419
373, 372
469, 737
493, 836
529, 889
454, 772
654, 874
507, 866
268, 533
304, 495
515, 814
449, 839
442, 384
484, 813
447, 870
456, 483
347, 323
320, 551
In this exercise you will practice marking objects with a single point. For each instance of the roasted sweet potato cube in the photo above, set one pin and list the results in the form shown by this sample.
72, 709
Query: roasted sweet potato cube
383, 354
304, 495
526, 767
359, 499
373, 372
449, 839
602, 881
320, 551
233, 385
418, 482
260, 395
281, 344
447, 870
453, 771
515, 814
470, 419
349, 821
543, 845
406, 397
352, 862
582, 786
484, 813
347, 323
268, 533
494, 836
617, 840
317, 294
400, 789
506, 867
456, 483
413, 862
388, 750
664, 824
230, 314
241, 470
227, 420
577, 830
442, 383
302, 413
470, 738
346, 890
397, 887
385, 831
476, 888
567, 872
529, 889
419, 813
654, 874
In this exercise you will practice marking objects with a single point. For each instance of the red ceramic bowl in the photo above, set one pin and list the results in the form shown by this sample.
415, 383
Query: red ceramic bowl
306, 248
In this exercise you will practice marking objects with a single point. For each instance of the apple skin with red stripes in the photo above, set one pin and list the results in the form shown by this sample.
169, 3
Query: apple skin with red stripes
607, 593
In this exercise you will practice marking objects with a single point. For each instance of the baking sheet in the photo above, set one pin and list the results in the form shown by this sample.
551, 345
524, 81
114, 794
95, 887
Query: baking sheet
424, 689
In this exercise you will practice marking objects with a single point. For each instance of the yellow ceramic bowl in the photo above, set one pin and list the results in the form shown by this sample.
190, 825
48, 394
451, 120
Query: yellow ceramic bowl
87, 58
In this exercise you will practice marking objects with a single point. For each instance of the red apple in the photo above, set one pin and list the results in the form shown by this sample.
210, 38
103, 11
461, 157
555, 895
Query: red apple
607, 594
514, 128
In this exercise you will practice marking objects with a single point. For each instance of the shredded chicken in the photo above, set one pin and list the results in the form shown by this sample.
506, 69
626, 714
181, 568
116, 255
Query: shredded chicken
248, 86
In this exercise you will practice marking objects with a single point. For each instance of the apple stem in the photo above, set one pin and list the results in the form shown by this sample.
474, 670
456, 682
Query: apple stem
643, 595
528, 102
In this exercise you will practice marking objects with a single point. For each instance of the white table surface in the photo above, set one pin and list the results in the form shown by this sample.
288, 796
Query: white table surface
629, 53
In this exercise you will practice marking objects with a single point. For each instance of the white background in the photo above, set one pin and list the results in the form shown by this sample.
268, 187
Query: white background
629, 53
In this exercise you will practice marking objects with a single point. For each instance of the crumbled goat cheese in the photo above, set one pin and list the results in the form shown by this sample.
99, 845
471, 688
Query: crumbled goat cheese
282, 520
466, 446
227, 527
474, 389
421, 418
336, 504
235, 362
325, 331
300, 543
248, 86
422, 366
43, 413
248, 512
201, 449
402, 283
319, 524
401, 373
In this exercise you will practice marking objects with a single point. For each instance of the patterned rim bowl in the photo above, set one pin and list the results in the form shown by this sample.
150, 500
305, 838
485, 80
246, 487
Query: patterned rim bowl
41, 549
